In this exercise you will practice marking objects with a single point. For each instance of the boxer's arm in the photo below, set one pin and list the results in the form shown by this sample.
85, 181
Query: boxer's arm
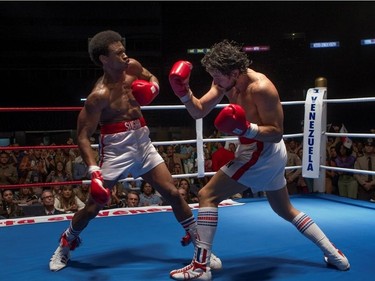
135, 68
179, 78
87, 123
265, 98
200, 107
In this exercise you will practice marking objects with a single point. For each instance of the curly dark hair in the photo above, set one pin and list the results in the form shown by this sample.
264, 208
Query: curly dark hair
98, 44
226, 56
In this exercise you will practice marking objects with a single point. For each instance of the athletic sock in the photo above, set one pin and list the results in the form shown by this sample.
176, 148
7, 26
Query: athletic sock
71, 234
312, 231
190, 226
206, 228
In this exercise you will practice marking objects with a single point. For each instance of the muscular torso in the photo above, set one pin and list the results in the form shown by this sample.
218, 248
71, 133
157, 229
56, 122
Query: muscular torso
243, 94
121, 104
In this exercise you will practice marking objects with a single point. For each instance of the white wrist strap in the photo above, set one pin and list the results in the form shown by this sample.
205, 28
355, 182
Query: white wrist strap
252, 131
92, 169
187, 97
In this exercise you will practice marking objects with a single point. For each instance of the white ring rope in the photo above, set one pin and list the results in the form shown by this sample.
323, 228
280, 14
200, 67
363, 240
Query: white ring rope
200, 140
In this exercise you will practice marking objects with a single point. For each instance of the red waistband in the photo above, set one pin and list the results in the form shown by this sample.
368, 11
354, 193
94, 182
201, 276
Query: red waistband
123, 126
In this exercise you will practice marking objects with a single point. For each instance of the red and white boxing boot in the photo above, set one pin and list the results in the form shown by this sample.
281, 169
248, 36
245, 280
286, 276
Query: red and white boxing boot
195, 270
215, 262
61, 256
337, 259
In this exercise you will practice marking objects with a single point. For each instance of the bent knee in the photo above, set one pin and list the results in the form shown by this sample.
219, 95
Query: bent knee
207, 196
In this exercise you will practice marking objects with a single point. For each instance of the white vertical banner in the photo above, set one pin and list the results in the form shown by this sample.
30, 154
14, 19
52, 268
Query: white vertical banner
312, 132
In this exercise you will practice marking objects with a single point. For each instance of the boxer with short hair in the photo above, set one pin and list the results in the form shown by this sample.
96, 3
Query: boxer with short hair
125, 145
255, 115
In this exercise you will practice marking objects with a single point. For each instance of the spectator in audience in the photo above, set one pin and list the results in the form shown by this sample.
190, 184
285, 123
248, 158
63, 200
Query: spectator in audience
188, 162
333, 175
221, 156
134, 185
292, 175
48, 202
83, 191
9, 208
24, 166
67, 201
118, 197
366, 182
148, 196
161, 151
26, 196
347, 184
185, 184
177, 169
132, 199
358, 149
173, 158
48, 159
15, 156
184, 195
56, 189
207, 159
59, 173
79, 167
8, 172
37, 170
232, 147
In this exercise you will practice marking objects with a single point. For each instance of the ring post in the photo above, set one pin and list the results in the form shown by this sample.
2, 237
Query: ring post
314, 141
200, 154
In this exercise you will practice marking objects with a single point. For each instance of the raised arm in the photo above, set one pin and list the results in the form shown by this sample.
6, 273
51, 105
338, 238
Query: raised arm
179, 78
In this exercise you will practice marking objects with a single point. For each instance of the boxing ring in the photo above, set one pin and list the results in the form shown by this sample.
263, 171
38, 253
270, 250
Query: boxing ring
144, 243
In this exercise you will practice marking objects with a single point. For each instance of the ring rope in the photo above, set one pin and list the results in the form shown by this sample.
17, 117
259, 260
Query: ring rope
201, 141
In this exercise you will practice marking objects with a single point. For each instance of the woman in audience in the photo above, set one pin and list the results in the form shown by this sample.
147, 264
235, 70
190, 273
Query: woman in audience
67, 201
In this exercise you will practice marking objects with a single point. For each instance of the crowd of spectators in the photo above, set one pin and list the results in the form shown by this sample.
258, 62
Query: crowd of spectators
55, 166
341, 152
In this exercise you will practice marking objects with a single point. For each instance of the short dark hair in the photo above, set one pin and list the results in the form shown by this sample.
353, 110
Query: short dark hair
226, 56
98, 45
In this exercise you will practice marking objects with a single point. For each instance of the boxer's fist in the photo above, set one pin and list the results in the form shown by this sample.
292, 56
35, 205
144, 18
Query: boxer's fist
179, 79
232, 121
144, 92
99, 193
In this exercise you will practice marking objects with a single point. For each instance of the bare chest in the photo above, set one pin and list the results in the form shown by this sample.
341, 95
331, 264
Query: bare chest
121, 105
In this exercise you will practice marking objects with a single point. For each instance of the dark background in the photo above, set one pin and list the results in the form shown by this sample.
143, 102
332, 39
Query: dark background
44, 59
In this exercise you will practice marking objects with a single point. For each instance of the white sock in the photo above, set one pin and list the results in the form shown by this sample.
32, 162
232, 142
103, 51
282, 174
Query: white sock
190, 226
71, 234
206, 228
311, 230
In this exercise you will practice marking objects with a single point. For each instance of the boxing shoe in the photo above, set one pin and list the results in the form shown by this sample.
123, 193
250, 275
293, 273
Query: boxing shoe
61, 256
195, 270
215, 262
337, 259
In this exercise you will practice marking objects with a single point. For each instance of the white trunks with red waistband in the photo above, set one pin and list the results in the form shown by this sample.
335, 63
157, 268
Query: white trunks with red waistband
122, 126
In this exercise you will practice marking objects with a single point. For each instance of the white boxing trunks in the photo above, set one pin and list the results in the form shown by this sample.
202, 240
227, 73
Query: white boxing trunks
258, 165
125, 148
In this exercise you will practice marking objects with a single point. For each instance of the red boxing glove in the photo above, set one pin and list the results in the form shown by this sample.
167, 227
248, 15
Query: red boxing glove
179, 79
232, 121
144, 92
99, 193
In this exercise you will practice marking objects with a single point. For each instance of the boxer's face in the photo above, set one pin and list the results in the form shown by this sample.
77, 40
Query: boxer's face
226, 82
116, 57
